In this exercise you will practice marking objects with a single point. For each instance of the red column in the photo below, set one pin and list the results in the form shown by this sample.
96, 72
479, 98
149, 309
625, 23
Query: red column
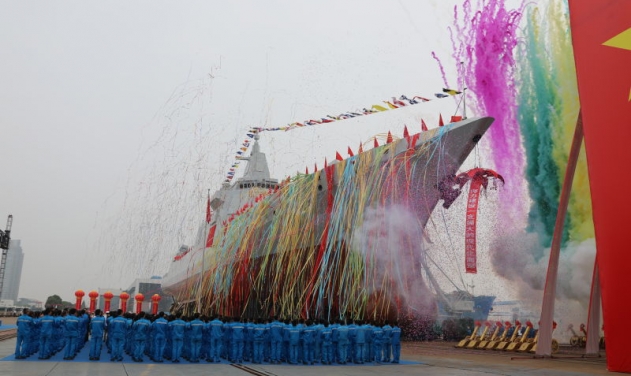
155, 299
93, 295
124, 296
108, 300
79, 294
139, 298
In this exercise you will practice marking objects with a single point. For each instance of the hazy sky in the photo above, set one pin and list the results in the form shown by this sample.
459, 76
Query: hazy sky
118, 116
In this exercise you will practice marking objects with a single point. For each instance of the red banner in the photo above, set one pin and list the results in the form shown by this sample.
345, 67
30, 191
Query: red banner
601, 36
470, 227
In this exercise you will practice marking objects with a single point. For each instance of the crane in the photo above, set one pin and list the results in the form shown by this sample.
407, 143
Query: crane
5, 239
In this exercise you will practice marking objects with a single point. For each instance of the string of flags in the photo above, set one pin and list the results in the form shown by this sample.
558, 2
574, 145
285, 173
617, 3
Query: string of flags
394, 103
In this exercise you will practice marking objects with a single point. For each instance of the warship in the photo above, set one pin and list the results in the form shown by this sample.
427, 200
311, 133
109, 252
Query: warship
342, 241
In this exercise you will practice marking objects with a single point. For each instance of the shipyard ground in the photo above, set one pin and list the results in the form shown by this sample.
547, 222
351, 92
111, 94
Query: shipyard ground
426, 358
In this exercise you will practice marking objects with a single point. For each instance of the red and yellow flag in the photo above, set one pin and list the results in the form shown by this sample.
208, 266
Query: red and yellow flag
601, 35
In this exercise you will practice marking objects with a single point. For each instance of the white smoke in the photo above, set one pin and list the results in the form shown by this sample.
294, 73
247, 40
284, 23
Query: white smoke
393, 238
513, 259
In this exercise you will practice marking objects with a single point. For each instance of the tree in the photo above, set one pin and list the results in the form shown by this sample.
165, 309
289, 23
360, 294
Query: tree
53, 300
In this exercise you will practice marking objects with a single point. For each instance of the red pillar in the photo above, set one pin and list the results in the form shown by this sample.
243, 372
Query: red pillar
108, 300
79, 294
124, 297
93, 295
139, 298
155, 299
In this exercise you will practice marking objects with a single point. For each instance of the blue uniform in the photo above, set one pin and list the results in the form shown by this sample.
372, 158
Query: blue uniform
118, 331
176, 330
276, 339
360, 344
294, 343
97, 327
342, 344
46, 333
259, 337
327, 345
236, 343
25, 327
377, 342
308, 344
395, 339
140, 331
196, 334
216, 336
159, 329
387, 344
71, 334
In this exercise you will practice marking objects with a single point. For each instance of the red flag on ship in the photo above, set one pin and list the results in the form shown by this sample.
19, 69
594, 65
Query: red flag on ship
601, 36
423, 126
350, 152
440, 120
338, 156
405, 132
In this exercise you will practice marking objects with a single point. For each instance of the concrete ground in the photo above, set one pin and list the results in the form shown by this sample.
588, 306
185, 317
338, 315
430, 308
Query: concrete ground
428, 358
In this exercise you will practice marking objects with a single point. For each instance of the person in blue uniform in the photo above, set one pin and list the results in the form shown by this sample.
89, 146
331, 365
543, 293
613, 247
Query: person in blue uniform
294, 342
259, 337
117, 332
369, 351
71, 334
387, 343
327, 344
46, 333
25, 327
176, 332
342, 343
395, 339
159, 329
360, 343
276, 337
237, 340
140, 331
97, 328
377, 342
216, 337
308, 343
196, 334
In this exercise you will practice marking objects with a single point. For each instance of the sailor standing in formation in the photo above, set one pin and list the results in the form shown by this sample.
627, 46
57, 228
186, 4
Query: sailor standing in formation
198, 337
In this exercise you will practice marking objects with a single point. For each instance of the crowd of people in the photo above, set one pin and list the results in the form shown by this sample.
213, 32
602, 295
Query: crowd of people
196, 338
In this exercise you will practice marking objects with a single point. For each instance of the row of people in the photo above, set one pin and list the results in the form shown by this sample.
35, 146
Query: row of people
172, 337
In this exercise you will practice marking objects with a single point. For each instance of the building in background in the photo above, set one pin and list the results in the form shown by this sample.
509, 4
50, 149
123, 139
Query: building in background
13, 271
148, 287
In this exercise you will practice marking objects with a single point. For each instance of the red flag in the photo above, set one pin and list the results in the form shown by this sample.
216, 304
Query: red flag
405, 131
350, 152
315, 167
376, 143
360, 150
601, 36
307, 170
423, 126
211, 236
338, 156
440, 120
208, 213
389, 139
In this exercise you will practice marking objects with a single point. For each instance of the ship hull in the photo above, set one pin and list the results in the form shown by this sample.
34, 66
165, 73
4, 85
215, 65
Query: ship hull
341, 242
